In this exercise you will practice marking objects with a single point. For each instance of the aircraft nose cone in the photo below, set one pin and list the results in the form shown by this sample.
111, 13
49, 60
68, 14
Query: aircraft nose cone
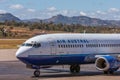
19, 53
22, 52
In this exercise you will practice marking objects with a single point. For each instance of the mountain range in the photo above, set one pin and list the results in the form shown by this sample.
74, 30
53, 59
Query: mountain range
82, 20
8, 17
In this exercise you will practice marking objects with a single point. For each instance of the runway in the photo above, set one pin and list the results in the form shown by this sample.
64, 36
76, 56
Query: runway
15, 70
12, 69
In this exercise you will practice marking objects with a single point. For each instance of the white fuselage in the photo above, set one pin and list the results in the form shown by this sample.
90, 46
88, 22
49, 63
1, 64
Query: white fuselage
56, 47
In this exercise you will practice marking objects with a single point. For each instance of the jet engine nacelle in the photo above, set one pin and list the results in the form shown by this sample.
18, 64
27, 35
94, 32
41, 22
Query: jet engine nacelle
107, 63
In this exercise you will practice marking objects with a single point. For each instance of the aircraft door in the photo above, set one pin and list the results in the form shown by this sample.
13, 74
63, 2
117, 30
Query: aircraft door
53, 47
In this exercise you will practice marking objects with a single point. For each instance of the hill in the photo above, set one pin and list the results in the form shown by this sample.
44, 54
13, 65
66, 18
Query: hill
8, 17
81, 20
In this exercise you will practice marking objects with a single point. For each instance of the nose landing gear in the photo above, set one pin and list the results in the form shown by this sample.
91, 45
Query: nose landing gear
37, 73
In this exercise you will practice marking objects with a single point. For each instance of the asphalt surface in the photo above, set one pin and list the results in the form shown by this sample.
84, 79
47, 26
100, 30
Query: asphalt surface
12, 69
16, 70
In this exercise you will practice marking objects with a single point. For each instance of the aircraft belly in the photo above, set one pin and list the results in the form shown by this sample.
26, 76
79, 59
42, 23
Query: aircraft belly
60, 59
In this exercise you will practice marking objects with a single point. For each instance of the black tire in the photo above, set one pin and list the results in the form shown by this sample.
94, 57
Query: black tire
37, 73
77, 69
105, 72
111, 72
108, 72
72, 69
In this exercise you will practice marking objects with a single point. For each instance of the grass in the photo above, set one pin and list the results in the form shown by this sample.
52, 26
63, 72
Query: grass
10, 43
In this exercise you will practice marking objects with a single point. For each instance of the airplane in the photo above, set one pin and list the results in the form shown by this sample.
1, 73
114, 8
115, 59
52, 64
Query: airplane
73, 49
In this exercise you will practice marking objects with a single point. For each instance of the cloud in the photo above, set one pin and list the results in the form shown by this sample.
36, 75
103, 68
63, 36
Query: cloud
113, 10
100, 12
65, 12
110, 14
31, 10
82, 13
51, 9
3, 11
16, 6
28, 13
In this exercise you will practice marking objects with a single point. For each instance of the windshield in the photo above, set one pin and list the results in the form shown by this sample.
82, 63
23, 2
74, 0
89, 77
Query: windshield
27, 44
36, 45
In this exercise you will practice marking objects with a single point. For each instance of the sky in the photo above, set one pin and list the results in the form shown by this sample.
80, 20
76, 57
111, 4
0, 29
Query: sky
43, 9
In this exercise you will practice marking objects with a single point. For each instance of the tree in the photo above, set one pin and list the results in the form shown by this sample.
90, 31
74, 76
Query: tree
4, 31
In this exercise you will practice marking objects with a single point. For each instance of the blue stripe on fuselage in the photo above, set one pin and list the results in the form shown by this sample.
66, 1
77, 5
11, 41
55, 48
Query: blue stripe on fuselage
57, 59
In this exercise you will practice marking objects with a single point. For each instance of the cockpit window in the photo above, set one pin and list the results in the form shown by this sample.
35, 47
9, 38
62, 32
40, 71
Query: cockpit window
36, 45
27, 44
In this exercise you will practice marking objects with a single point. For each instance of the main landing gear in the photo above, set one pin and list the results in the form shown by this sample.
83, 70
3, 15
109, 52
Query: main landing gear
75, 68
111, 71
108, 72
37, 73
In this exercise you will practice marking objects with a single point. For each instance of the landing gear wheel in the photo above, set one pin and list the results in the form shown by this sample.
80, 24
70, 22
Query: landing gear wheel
108, 72
105, 72
74, 68
36, 73
111, 72
77, 68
